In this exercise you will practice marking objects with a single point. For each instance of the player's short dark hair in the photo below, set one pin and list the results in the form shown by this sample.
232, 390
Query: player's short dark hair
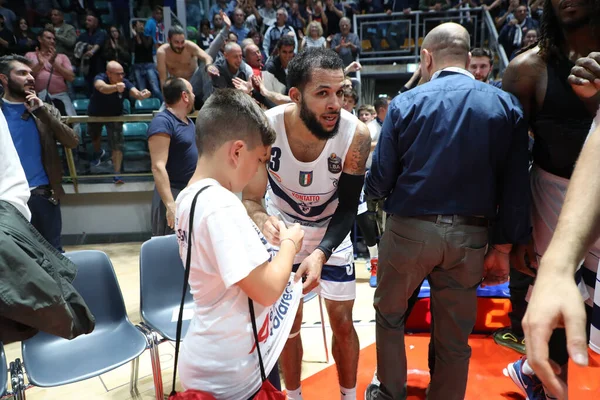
301, 67
175, 30
230, 114
7, 63
483, 52
172, 90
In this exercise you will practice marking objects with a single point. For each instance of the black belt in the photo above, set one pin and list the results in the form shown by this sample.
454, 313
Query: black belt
454, 220
44, 190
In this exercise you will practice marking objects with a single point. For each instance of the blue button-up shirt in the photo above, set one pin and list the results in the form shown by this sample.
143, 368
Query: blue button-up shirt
455, 146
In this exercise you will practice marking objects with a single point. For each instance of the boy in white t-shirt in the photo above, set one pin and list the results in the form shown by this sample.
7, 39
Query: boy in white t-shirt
229, 260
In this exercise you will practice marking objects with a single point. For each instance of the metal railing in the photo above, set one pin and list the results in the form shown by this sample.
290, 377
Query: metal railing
397, 37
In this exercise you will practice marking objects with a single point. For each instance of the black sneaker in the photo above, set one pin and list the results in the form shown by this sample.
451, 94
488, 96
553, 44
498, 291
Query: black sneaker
372, 392
507, 338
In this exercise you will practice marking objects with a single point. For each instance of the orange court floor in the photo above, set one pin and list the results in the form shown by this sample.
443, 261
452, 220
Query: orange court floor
486, 380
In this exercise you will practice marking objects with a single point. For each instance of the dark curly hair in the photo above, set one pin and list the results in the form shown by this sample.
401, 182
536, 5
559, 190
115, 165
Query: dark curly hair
551, 34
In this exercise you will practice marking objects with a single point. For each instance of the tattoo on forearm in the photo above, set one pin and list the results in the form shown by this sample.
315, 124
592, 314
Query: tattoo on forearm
358, 154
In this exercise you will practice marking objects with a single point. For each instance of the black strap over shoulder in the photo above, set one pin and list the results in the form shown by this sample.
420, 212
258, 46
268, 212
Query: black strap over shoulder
185, 284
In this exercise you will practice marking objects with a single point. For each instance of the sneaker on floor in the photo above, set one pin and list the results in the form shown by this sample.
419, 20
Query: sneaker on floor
118, 180
372, 392
529, 384
98, 158
373, 279
507, 338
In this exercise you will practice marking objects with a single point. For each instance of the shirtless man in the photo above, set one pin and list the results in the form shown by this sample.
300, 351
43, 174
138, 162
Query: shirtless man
180, 58
560, 122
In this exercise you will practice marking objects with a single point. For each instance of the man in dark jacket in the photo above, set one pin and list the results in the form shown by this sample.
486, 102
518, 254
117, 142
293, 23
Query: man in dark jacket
35, 128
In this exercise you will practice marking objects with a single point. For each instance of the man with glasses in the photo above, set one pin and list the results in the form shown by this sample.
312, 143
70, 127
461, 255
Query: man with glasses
110, 89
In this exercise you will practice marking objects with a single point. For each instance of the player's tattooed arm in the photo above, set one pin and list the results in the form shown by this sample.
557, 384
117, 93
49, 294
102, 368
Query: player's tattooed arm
356, 159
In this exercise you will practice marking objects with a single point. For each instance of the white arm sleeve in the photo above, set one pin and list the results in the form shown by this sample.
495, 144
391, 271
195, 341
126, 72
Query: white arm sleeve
13, 182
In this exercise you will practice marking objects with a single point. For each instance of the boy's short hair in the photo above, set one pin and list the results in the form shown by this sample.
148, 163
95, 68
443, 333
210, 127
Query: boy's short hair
230, 114
352, 93
365, 107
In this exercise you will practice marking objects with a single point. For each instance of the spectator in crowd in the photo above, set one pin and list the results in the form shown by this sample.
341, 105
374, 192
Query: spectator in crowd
205, 38
38, 11
155, 28
268, 14
481, 66
317, 14
93, 38
507, 14
277, 31
275, 75
511, 35
116, 49
215, 50
238, 27
218, 24
9, 16
314, 36
35, 128
229, 67
180, 58
346, 43
296, 20
52, 71
7, 39
144, 69
531, 38
193, 12
258, 40
64, 34
334, 12
350, 99
253, 18
173, 151
110, 89
492, 185
220, 6
25, 40
381, 109
253, 58
434, 5
364, 113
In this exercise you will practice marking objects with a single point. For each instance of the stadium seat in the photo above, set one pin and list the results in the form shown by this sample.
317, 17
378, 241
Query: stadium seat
161, 280
126, 106
135, 130
107, 19
101, 5
3, 372
52, 361
146, 106
81, 106
79, 82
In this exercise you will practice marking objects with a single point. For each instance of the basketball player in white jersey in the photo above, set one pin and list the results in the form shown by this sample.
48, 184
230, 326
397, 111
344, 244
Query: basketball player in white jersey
314, 178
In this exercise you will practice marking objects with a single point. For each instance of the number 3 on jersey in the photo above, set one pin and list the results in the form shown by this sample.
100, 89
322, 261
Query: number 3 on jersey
275, 159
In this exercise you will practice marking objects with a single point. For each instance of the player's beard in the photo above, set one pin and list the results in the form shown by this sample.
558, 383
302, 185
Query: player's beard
177, 50
311, 121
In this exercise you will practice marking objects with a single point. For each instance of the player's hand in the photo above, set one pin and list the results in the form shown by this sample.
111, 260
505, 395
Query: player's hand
271, 230
171, 215
585, 76
524, 259
294, 232
310, 269
555, 302
495, 268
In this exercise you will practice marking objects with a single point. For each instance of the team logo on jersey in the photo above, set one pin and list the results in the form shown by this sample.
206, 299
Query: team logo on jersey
334, 164
305, 178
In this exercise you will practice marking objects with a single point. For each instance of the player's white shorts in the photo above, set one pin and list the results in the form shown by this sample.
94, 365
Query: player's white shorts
338, 282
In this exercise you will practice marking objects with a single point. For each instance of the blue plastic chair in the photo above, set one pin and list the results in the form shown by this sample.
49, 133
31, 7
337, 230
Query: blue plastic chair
3, 372
135, 130
79, 82
146, 106
126, 106
53, 361
81, 106
161, 283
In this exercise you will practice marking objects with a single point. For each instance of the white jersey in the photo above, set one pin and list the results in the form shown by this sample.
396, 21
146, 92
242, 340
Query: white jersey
306, 192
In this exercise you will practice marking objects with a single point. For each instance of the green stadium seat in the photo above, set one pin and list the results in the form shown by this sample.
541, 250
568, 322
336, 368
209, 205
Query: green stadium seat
81, 106
126, 106
135, 130
146, 106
